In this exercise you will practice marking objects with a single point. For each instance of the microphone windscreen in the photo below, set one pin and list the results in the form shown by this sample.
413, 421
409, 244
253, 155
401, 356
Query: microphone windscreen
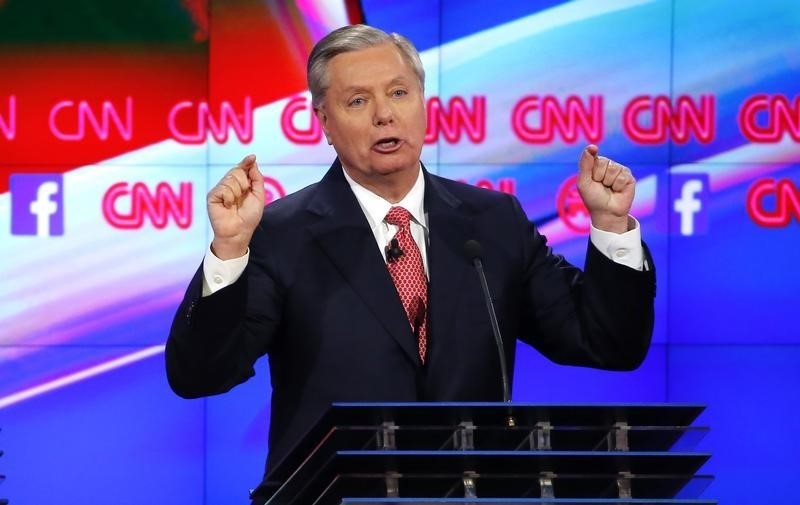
472, 249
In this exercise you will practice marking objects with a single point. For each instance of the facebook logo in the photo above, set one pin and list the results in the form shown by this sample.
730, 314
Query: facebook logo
689, 214
37, 204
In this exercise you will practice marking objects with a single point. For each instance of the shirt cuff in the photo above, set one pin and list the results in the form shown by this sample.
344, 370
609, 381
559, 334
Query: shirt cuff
623, 248
218, 273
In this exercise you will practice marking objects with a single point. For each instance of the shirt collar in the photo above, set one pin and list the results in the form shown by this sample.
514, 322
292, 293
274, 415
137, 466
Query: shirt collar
376, 208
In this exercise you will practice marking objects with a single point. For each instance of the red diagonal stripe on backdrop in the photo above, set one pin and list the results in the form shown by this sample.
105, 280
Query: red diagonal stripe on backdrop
251, 51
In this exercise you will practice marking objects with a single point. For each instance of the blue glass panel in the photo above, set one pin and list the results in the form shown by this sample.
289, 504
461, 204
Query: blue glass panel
753, 399
237, 424
118, 437
538, 380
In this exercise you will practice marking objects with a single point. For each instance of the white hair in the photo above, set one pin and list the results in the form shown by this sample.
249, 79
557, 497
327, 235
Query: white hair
354, 38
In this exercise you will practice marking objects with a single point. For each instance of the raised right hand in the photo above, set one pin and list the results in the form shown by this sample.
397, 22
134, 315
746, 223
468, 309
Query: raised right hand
235, 206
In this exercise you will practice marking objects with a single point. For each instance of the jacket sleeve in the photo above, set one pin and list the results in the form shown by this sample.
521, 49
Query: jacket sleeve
215, 340
601, 317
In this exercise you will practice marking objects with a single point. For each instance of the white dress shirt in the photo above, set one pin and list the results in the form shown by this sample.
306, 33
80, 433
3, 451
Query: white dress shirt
375, 209
623, 248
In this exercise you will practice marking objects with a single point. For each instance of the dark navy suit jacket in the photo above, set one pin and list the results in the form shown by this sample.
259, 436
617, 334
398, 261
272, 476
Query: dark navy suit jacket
316, 297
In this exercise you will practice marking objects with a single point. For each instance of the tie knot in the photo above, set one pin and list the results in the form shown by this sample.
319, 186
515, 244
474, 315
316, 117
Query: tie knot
398, 216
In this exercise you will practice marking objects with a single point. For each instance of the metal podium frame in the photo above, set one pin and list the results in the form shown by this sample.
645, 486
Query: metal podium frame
495, 453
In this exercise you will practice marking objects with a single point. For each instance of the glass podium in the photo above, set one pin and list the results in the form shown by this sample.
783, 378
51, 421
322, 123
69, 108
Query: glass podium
494, 453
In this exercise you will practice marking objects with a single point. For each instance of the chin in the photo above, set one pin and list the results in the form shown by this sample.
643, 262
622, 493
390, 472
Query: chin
397, 163
395, 167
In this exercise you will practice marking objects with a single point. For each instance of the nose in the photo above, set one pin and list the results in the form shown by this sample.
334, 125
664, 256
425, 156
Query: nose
384, 114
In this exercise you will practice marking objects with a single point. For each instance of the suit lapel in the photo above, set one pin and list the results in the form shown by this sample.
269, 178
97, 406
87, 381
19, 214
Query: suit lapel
343, 234
449, 229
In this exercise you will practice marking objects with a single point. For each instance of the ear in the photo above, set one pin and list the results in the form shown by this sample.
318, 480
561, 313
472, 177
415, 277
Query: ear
323, 121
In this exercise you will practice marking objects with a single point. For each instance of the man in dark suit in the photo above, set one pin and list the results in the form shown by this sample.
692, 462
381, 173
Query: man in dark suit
319, 280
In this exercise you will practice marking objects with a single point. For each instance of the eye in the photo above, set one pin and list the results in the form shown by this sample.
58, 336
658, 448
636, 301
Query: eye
399, 92
355, 102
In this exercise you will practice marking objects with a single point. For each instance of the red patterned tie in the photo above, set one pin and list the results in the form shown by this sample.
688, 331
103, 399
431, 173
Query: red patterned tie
408, 274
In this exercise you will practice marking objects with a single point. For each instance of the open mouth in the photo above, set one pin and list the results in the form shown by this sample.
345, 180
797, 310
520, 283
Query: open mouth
387, 145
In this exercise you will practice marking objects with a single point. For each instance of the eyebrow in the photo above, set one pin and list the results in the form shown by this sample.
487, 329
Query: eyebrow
396, 80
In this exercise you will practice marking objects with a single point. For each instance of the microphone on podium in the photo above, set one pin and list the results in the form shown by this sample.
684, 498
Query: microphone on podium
472, 250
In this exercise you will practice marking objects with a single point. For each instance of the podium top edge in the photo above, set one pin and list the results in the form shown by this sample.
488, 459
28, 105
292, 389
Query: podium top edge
377, 453
574, 414
516, 405
547, 501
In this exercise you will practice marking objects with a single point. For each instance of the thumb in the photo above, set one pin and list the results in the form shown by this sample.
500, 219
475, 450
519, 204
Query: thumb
256, 179
586, 163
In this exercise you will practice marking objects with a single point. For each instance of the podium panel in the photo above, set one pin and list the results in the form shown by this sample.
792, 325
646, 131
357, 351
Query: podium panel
494, 453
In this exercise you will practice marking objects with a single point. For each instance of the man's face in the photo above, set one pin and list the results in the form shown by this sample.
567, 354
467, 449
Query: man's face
374, 115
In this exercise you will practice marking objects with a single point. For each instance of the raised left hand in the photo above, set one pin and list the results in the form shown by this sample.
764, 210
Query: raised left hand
607, 190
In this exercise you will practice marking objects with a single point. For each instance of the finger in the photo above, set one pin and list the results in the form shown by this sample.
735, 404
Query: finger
246, 162
600, 167
222, 194
586, 162
233, 186
238, 178
256, 180
244, 165
625, 178
613, 169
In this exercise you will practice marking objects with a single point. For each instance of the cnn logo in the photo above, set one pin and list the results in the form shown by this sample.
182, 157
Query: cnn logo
127, 206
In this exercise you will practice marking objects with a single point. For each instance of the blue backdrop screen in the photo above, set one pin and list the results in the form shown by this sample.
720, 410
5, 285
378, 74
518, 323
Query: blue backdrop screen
117, 117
